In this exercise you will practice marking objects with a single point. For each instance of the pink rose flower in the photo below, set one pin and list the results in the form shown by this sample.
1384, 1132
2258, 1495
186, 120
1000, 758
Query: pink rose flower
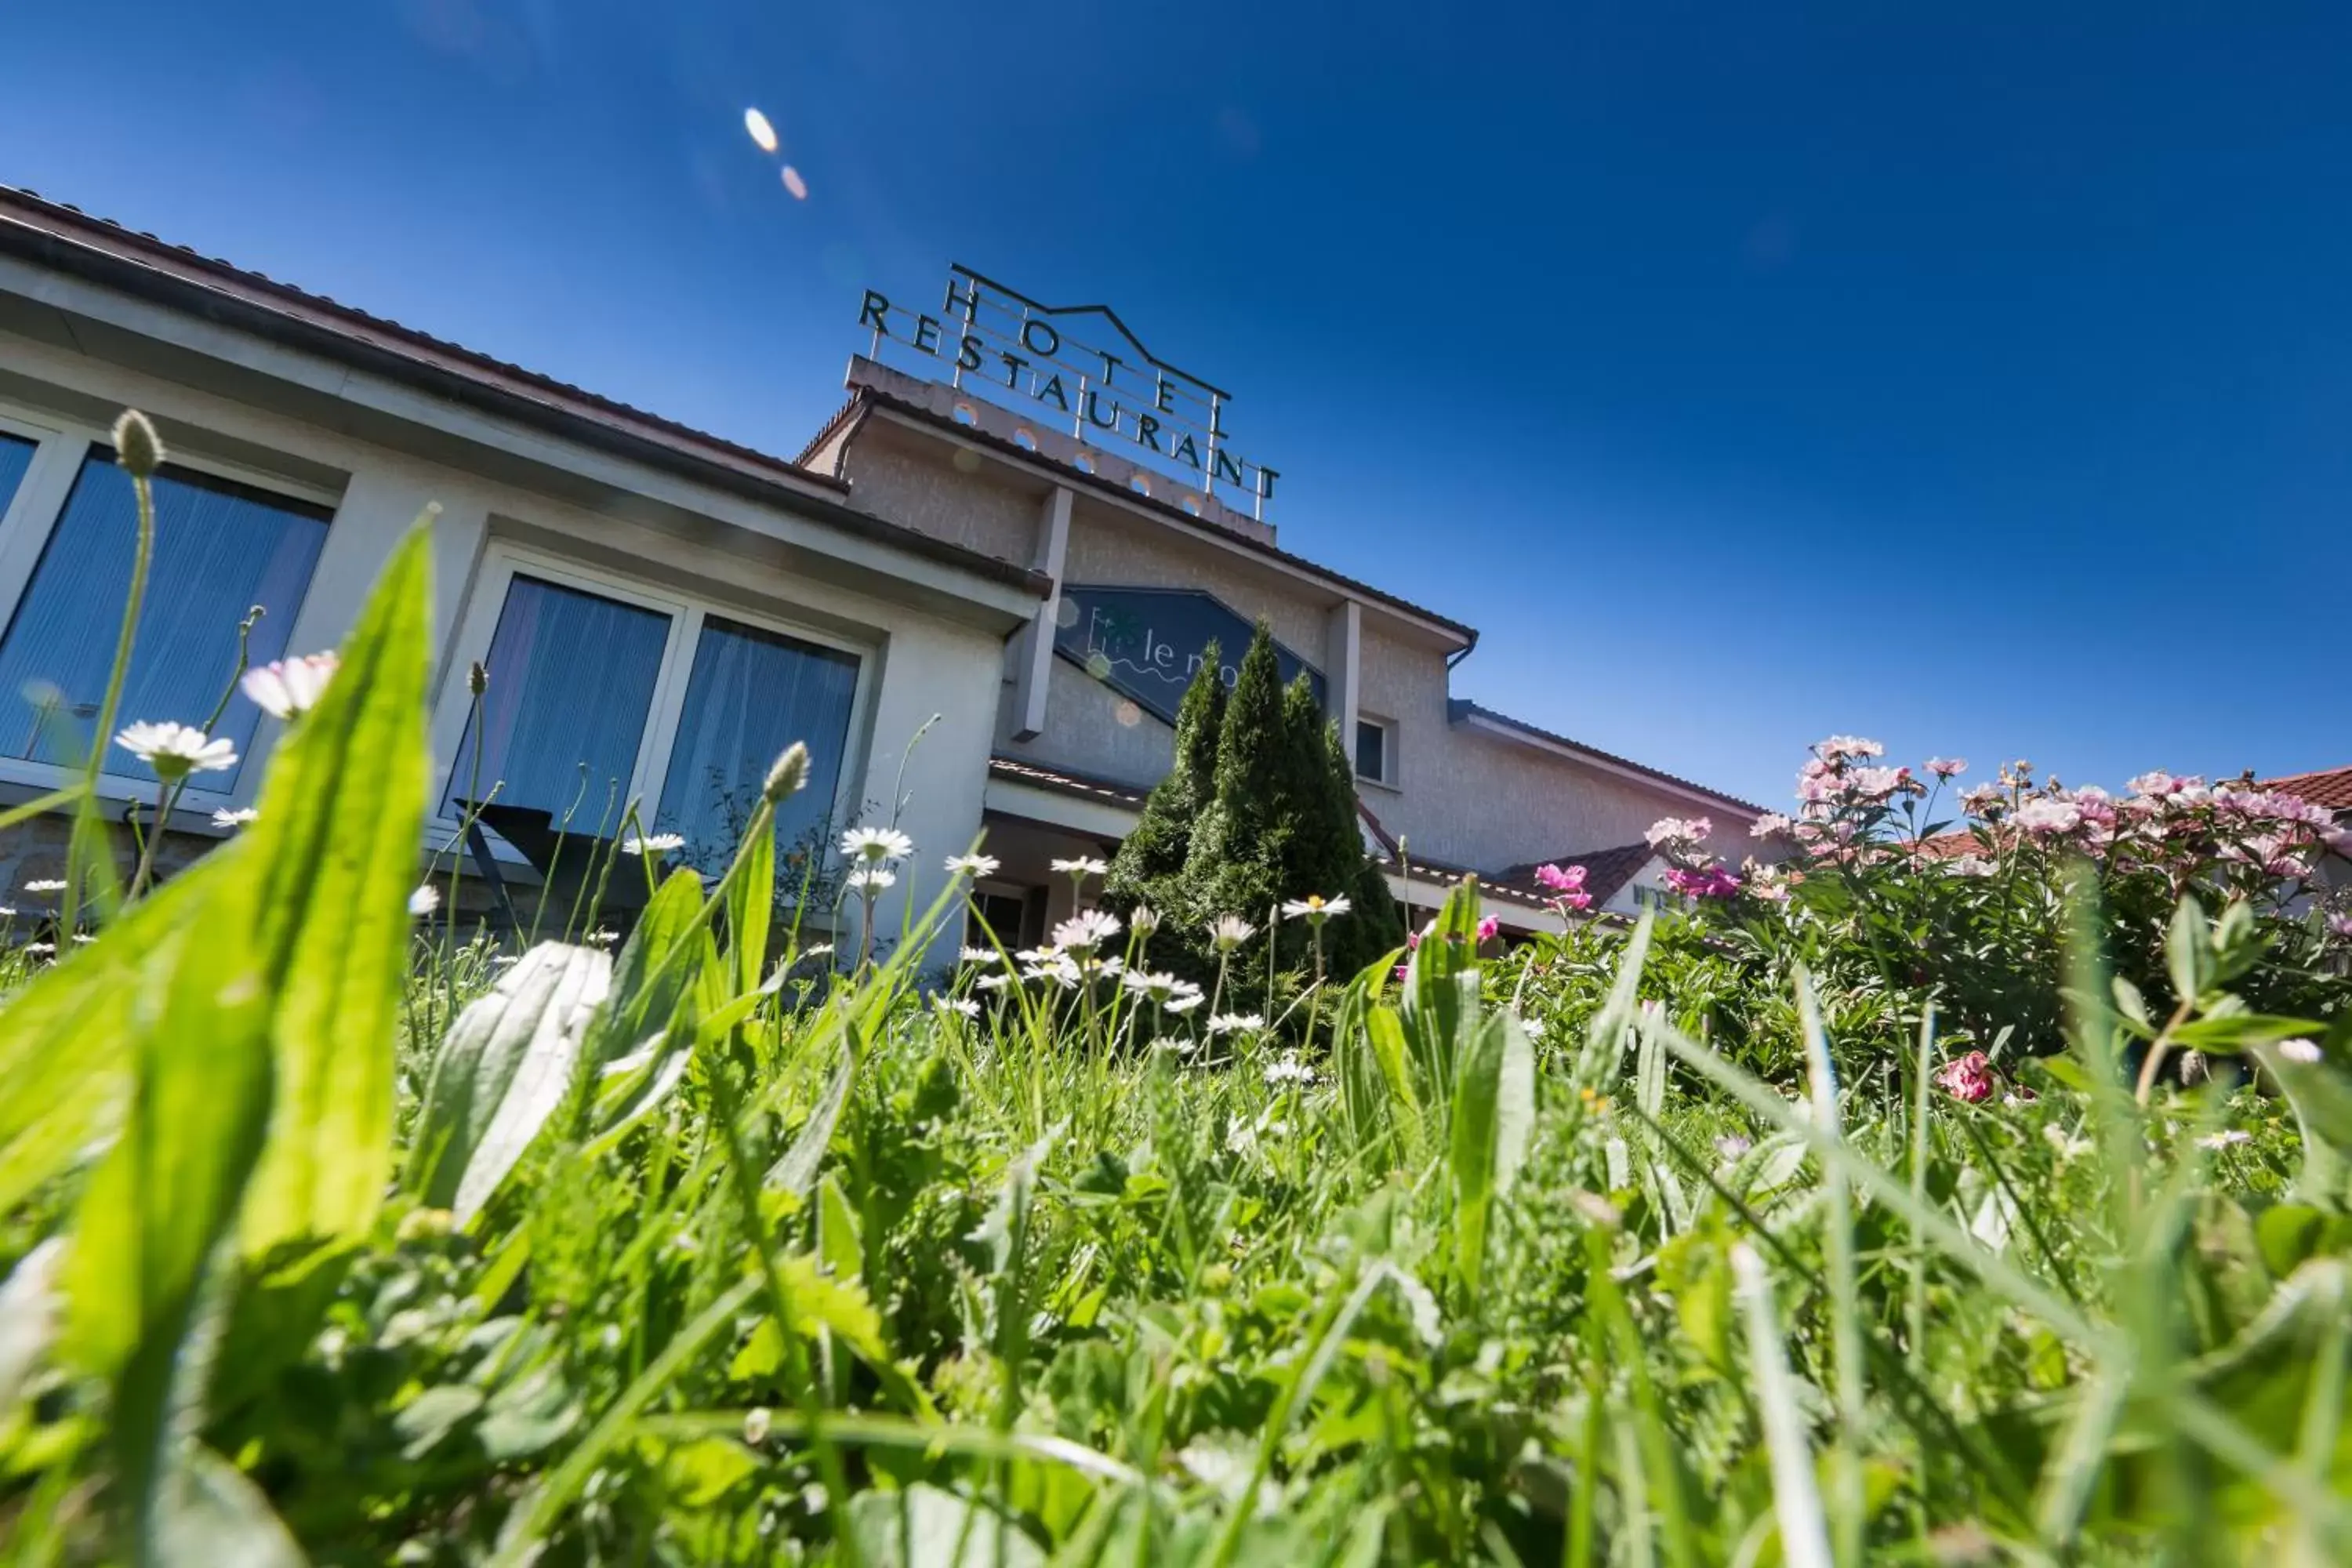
1488, 927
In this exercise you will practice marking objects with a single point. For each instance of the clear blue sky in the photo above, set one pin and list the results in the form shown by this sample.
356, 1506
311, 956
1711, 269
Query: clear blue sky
1983, 382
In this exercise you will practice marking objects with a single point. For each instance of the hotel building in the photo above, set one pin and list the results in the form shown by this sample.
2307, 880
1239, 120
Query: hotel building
972, 594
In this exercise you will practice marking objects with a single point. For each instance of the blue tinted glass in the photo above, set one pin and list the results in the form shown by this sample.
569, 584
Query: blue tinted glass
220, 549
752, 694
571, 679
15, 457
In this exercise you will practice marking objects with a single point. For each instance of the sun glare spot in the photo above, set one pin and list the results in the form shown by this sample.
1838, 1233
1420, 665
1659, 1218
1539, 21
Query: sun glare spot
794, 184
762, 131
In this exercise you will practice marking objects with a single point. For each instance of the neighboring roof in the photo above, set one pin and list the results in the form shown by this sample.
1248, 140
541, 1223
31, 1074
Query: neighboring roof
2330, 788
1606, 871
1071, 474
1426, 869
1457, 709
1081, 786
69, 240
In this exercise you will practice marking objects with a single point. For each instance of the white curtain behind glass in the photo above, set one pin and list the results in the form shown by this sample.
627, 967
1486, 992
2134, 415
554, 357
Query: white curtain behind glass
220, 548
571, 682
752, 694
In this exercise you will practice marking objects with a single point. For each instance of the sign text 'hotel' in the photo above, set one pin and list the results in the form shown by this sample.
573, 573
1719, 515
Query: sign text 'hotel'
998, 337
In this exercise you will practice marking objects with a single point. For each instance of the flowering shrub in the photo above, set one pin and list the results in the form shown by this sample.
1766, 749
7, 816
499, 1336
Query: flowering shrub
1896, 893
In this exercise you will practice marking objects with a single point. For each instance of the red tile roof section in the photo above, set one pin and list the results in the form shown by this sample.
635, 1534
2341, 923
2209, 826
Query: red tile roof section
2330, 788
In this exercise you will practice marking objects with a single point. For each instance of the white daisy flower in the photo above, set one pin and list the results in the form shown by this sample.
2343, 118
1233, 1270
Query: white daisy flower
45, 884
1081, 866
876, 845
972, 866
1315, 908
1183, 1005
244, 816
653, 844
872, 879
963, 1007
2299, 1049
1087, 929
1158, 987
285, 686
602, 936
1144, 921
176, 751
1289, 1070
424, 901
2223, 1139
994, 982
1227, 932
1236, 1024
977, 955
39, 949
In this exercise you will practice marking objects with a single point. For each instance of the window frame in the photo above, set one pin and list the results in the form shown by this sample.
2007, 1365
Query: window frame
60, 447
1387, 777
502, 560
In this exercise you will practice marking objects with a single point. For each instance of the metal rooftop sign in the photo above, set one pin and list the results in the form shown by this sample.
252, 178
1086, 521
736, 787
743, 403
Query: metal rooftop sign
1082, 365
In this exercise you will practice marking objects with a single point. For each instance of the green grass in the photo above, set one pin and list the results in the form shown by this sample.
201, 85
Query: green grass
369, 1246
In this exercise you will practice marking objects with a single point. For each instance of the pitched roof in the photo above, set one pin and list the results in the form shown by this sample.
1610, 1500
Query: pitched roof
1457, 709
2330, 788
1606, 871
66, 239
1080, 786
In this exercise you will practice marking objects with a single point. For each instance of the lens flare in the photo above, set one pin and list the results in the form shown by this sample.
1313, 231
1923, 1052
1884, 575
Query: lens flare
794, 184
762, 131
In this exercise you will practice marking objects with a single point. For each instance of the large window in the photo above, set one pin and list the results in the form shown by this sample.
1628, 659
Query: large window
750, 694
15, 457
572, 678
601, 694
222, 549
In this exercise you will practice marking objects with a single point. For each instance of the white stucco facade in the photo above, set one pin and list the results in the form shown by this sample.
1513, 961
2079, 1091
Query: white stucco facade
935, 541
927, 627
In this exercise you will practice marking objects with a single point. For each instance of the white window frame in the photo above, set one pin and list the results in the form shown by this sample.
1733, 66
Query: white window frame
502, 561
1387, 777
32, 515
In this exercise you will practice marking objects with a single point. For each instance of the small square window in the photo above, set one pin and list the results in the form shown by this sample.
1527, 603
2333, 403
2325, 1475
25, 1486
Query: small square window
1372, 748
221, 550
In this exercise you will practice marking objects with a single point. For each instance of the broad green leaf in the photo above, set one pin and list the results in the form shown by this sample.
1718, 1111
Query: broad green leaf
336, 853
1384, 1034
656, 966
28, 1319
168, 1191
500, 1071
215, 1514
2323, 1108
796, 1172
1441, 990
2187, 951
2234, 1032
1494, 1112
751, 910
64, 1039
923, 1527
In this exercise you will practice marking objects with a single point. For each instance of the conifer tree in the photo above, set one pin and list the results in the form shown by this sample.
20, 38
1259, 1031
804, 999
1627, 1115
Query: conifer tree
1150, 865
1235, 865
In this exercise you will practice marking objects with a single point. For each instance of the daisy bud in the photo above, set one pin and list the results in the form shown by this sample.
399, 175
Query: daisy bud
136, 446
789, 772
478, 677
